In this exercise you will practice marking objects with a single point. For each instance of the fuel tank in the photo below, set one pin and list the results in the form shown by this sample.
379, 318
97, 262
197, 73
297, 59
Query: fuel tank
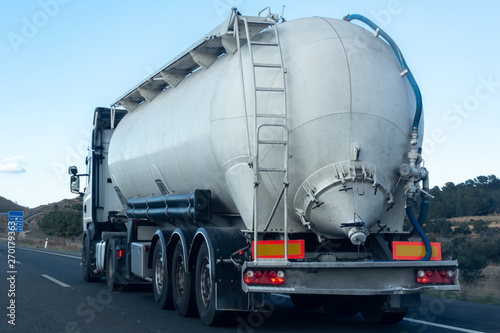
349, 120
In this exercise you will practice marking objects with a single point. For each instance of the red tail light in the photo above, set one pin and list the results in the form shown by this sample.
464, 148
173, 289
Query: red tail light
121, 254
264, 277
436, 276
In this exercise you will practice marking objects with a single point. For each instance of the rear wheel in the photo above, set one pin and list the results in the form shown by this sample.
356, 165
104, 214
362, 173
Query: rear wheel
374, 312
341, 305
182, 285
86, 267
162, 289
205, 292
112, 277
306, 301
379, 316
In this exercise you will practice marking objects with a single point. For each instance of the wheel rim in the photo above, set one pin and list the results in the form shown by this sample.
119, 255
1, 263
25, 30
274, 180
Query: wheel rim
110, 266
159, 273
206, 283
180, 274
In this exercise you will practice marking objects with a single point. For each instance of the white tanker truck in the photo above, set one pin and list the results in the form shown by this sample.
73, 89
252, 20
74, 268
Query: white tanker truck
269, 157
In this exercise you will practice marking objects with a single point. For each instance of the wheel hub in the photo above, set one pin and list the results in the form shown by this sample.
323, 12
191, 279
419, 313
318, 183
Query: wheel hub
159, 273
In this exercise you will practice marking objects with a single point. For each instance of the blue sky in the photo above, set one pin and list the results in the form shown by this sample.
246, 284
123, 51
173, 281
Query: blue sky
59, 59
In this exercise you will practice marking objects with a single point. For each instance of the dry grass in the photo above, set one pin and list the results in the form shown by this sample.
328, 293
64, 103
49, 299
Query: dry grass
493, 220
34, 237
59, 243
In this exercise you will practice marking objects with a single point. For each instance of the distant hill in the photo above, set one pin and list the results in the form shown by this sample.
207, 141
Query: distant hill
65, 204
31, 216
6, 205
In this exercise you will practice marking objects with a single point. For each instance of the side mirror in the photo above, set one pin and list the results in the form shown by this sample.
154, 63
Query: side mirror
75, 184
73, 170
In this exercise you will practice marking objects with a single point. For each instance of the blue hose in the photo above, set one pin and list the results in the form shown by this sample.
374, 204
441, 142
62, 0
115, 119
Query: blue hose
421, 233
422, 215
395, 48
424, 210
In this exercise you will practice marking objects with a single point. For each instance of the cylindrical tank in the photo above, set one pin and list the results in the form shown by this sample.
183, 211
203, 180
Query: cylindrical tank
349, 118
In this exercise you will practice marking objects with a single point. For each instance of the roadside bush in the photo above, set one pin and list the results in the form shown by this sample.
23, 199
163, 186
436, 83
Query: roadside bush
462, 230
61, 223
489, 247
471, 264
472, 255
480, 226
439, 227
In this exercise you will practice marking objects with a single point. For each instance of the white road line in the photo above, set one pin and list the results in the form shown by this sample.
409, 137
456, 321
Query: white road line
62, 284
459, 329
55, 254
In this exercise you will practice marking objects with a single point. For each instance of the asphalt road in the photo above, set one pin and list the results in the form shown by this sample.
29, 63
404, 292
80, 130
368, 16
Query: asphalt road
51, 296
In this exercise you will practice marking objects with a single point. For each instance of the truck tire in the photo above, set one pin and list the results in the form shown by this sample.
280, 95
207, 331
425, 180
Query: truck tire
86, 267
182, 285
111, 270
378, 316
162, 289
205, 292
303, 301
374, 313
340, 305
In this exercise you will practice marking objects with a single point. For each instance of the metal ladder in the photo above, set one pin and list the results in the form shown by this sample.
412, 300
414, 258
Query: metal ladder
266, 122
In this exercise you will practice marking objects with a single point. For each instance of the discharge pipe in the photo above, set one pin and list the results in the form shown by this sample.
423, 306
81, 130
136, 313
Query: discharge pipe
421, 233
424, 209
397, 51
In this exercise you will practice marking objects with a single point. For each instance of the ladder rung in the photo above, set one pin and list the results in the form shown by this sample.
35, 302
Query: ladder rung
264, 169
269, 89
259, 20
270, 115
264, 43
273, 142
267, 65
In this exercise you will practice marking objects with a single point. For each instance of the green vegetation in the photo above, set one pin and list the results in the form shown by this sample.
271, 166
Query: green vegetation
61, 223
475, 197
472, 242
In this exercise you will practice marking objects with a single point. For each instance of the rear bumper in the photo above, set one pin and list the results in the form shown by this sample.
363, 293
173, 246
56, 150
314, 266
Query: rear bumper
350, 278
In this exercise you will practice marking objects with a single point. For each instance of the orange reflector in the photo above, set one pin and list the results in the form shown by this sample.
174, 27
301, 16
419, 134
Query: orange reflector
121, 254
276, 249
414, 251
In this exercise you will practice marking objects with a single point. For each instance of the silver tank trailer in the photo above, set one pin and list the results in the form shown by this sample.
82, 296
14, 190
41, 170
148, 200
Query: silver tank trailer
350, 116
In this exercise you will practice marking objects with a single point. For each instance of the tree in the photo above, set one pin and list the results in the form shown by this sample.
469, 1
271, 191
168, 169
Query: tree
471, 258
471, 264
440, 227
480, 226
478, 196
61, 223
462, 230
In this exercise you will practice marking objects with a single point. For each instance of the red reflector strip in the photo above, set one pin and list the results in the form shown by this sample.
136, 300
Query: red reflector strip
121, 254
276, 249
414, 251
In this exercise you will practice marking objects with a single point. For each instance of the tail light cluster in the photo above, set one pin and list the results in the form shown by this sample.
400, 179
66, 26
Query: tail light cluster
436, 276
264, 277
